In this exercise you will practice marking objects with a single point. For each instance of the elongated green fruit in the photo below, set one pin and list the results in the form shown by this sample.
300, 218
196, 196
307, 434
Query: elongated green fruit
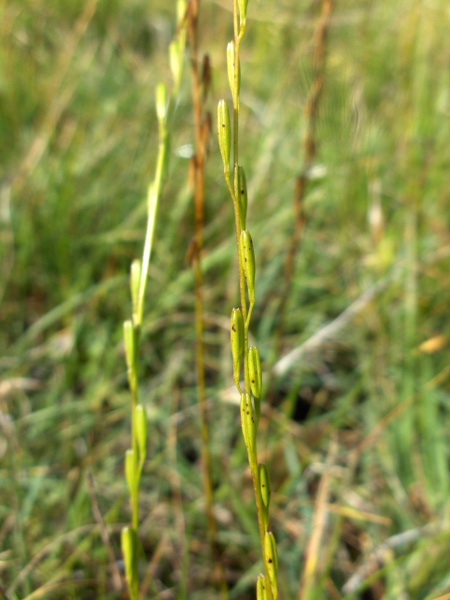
264, 484
243, 197
271, 558
254, 367
237, 342
261, 593
248, 259
230, 66
129, 551
224, 133
176, 61
248, 422
181, 10
243, 12
264, 488
141, 432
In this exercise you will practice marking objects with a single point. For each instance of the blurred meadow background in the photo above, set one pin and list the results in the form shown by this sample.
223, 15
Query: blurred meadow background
355, 428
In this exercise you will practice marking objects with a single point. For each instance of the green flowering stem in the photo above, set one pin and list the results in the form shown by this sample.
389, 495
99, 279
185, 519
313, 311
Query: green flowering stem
250, 406
136, 455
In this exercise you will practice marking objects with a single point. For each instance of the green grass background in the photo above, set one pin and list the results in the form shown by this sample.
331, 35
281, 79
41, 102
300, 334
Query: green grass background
78, 142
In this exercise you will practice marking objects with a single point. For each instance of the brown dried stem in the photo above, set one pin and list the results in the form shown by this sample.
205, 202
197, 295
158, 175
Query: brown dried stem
202, 121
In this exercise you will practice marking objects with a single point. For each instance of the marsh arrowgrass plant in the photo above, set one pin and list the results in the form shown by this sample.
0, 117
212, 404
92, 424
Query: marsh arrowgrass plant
383, 131
136, 455
243, 355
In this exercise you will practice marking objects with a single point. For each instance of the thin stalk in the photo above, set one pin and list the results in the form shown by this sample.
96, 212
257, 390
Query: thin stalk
136, 456
267, 587
202, 133
246, 313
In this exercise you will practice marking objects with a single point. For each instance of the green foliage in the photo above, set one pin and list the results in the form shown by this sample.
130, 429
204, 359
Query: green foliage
79, 141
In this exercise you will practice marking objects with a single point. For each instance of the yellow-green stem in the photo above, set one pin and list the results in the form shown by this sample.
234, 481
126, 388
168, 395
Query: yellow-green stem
246, 313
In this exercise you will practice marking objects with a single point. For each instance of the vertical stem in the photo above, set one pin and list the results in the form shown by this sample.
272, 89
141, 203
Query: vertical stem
246, 311
135, 458
202, 132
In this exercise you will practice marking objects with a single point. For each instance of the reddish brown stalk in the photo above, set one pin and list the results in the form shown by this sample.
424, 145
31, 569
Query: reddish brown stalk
309, 151
200, 86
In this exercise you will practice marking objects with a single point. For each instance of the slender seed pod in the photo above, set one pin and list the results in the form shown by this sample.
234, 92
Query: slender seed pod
243, 12
248, 422
129, 551
264, 488
243, 197
264, 485
140, 417
130, 471
176, 48
261, 593
248, 259
254, 367
271, 558
237, 342
181, 10
230, 66
224, 132
176, 61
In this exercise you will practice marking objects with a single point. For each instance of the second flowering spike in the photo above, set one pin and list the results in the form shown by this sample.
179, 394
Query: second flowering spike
224, 133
